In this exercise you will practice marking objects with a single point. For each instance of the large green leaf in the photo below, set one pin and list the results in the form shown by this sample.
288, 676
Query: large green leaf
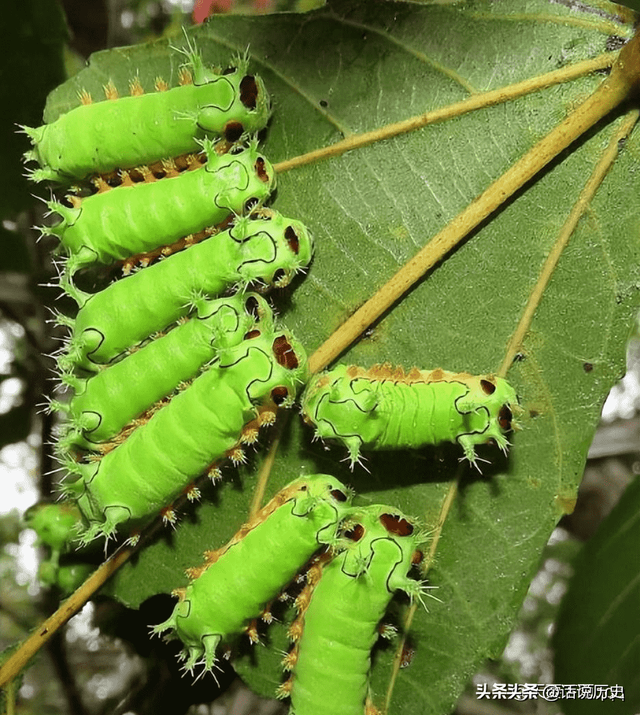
356, 66
599, 622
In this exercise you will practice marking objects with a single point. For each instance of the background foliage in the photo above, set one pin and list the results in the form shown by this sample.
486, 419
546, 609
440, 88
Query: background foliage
351, 67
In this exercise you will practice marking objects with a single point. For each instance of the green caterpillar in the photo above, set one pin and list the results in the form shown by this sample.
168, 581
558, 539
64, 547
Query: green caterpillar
126, 132
105, 403
386, 408
198, 427
263, 247
237, 581
339, 614
128, 220
56, 526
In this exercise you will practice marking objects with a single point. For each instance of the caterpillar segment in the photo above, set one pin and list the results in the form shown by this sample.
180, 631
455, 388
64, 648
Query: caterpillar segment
386, 407
254, 566
264, 248
144, 260
120, 132
105, 403
114, 225
195, 429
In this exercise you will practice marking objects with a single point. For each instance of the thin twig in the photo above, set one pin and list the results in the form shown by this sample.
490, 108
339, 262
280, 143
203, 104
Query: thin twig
69, 608
267, 467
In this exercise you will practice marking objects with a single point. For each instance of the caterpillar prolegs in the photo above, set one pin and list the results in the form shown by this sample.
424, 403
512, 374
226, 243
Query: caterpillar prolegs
238, 580
197, 428
340, 609
388, 408
124, 132
264, 247
139, 218
106, 402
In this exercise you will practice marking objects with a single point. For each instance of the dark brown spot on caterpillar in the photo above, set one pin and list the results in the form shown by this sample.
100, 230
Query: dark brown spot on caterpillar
252, 334
279, 395
416, 557
487, 387
292, 239
249, 92
504, 417
251, 306
395, 524
261, 171
355, 533
278, 276
285, 354
233, 131
338, 495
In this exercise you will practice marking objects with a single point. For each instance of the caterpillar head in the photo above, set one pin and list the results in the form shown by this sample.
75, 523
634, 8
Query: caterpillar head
247, 176
247, 112
339, 406
381, 542
323, 499
231, 318
274, 247
268, 366
490, 409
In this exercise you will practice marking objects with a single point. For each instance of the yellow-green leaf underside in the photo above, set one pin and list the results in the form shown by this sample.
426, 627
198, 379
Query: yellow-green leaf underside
355, 66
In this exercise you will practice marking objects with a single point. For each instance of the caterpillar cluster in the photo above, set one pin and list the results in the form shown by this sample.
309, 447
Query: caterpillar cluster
366, 555
169, 374
174, 367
